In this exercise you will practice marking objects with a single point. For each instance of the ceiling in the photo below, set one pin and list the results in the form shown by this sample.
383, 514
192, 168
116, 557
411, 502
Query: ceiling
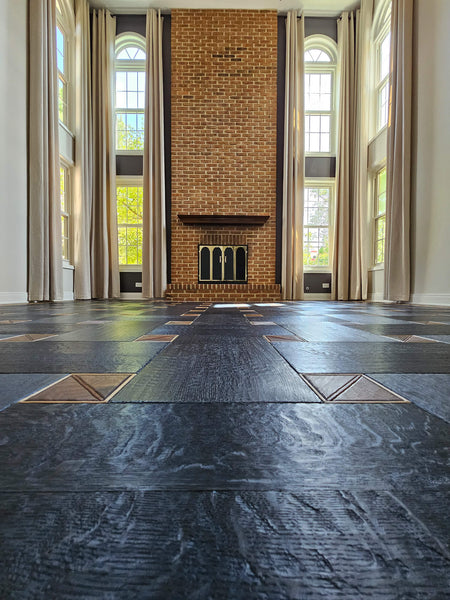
310, 7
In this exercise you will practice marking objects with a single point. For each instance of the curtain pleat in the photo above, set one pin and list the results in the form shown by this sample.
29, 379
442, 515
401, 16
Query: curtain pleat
82, 188
293, 161
397, 250
360, 241
352, 217
154, 251
104, 250
44, 214
345, 158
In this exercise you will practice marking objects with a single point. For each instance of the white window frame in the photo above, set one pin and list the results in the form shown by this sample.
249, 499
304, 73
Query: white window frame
65, 22
330, 183
380, 29
67, 214
129, 181
123, 41
381, 83
375, 217
327, 45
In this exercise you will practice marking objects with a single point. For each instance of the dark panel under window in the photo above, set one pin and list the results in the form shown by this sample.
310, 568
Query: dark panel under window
128, 281
320, 166
313, 283
127, 164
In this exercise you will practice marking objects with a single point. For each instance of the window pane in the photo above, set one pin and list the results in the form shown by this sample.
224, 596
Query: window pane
383, 106
323, 247
121, 81
315, 226
314, 142
385, 49
381, 181
62, 188
380, 228
121, 99
324, 142
132, 85
318, 91
141, 81
381, 203
131, 53
122, 255
61, 101
129, 217
316, 55
60, 50
132, 100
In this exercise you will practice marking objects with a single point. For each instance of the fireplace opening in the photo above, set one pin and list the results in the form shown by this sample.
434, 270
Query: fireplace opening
222, 264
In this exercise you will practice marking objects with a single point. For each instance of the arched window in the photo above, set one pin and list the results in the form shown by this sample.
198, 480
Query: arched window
130, 93
320, 96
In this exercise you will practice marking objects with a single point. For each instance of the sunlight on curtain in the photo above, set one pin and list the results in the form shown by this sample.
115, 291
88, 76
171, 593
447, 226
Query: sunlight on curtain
294, 161
44, 233
104, 251
397, 251
154, 252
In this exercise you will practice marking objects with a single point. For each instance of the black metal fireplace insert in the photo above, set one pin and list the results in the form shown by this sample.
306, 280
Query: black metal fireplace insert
222, 264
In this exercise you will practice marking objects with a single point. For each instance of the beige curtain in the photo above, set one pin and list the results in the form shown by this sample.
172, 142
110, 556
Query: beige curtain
293, 161
44, 212
154, 251
104, 251
82, 188
351, 251
359, 240
397, 250
345, 157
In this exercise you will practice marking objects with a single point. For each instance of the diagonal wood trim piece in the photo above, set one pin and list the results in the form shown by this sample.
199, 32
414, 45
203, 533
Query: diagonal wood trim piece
87, 387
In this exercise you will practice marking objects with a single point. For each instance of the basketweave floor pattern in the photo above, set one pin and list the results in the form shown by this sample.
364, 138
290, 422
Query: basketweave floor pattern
211, 450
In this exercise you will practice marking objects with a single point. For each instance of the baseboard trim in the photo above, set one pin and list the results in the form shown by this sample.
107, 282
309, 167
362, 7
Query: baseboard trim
314, 297
13, 298
376, 297
431, 299
131, 296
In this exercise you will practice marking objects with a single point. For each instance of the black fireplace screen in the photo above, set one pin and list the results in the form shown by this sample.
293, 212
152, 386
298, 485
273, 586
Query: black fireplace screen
224, 264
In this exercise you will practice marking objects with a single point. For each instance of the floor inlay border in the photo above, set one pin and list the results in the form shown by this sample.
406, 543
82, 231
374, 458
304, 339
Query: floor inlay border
88, 388
350, 388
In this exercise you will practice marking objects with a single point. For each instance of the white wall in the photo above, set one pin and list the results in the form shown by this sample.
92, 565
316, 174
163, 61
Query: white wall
431, 154
13, 151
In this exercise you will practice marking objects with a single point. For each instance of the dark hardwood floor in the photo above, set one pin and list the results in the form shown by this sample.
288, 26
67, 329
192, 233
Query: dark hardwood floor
297, 451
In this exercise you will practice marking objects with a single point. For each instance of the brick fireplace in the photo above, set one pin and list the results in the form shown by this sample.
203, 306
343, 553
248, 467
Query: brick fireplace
224, 103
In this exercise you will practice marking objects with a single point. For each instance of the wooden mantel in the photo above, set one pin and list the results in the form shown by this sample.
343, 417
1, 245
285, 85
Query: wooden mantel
223, 219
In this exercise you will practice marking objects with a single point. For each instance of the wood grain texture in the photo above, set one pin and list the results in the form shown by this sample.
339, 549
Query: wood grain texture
366, 358
73, 357
226, 482
315, 544
222, 446
217, 369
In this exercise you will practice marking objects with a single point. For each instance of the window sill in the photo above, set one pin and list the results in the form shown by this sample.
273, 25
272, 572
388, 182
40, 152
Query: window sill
130, 268
379, 267
129, 152
68, 266
317, 270
320, 154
